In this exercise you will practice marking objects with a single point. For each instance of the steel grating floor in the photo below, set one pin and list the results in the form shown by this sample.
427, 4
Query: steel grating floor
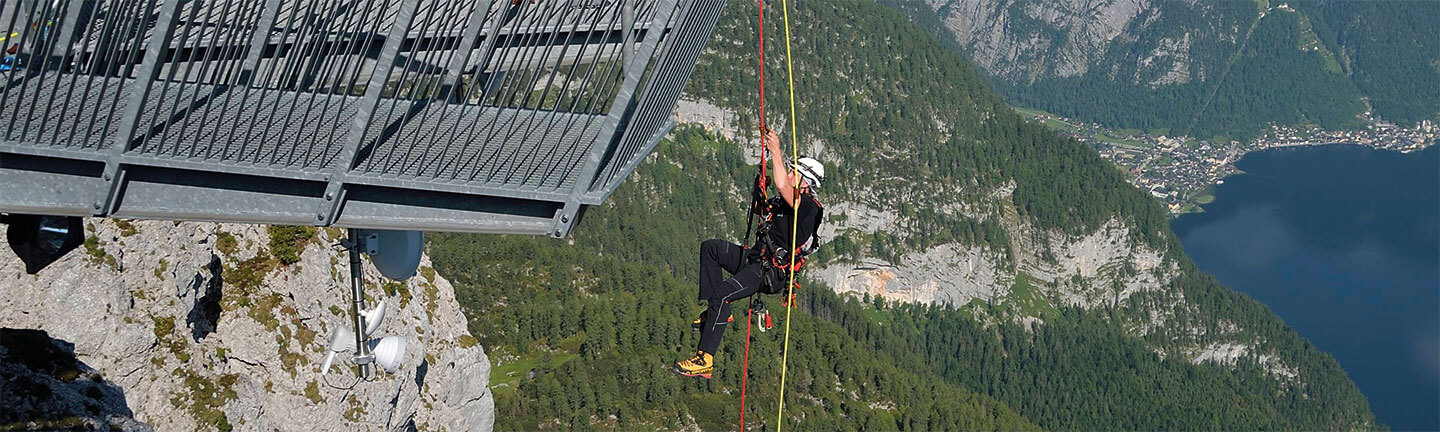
243, 127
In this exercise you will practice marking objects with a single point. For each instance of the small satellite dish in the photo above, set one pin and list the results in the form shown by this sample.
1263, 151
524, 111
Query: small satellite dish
388, 352
395, 253
373, 317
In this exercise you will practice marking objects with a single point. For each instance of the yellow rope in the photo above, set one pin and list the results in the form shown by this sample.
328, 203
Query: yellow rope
794, 221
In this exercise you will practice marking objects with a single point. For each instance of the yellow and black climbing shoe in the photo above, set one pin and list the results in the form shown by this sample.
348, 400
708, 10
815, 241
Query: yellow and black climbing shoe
702, 365
700, 320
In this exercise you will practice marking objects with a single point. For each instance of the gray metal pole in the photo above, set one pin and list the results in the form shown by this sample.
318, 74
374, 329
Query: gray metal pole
629, 24
357, 294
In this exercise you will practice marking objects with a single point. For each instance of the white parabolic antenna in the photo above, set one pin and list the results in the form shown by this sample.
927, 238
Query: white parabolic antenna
395, 253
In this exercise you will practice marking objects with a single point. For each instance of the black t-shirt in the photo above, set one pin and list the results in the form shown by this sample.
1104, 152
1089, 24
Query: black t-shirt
781, 222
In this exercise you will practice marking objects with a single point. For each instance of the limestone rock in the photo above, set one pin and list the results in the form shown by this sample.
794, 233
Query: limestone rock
205, 326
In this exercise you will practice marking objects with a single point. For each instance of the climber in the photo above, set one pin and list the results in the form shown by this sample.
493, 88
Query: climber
764, 266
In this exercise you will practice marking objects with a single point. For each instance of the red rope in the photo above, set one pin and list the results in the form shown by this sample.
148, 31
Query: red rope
745, 369
762, 64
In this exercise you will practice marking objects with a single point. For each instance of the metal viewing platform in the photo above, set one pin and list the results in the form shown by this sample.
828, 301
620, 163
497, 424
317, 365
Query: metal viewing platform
497, 116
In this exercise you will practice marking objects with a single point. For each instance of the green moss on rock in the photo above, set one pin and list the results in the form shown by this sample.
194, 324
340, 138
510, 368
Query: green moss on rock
288, 242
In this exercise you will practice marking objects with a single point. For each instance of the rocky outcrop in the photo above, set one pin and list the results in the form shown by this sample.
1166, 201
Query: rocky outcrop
1009, 38
46, 387
1140, 42
1100, 268
219, 326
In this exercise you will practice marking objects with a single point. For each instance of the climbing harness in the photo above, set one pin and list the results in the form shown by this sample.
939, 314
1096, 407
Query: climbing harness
777, 260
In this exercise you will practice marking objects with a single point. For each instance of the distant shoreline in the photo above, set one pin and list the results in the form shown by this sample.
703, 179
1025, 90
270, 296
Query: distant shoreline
1234, 171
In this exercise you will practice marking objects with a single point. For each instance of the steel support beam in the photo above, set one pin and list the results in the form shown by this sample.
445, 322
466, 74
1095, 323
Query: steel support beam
345, 161
619, 110
140, 92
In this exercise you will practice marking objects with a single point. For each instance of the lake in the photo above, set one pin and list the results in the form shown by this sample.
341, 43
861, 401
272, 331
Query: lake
1343, 242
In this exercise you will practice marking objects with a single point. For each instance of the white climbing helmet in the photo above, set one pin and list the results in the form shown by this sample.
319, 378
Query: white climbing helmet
811, 169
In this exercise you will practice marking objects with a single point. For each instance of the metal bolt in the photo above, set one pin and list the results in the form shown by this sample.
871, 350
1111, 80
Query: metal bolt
320, 216
97, 205
565, 218
107, 176
557, 233
329, 196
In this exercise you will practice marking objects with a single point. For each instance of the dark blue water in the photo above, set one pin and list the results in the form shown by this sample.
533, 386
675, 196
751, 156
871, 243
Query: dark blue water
1342, 242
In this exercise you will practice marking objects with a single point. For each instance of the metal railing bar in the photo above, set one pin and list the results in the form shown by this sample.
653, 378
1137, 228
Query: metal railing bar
409, 101
428, 147
85, 94
432, 56
611, 82
131, 26
23, 73
338, 54
480, 166
289, 85
549, 120
453, 73
269, 13
354, 76
486, 53
490, 87
515, 84
328, 66
620, 107
67, 34
220, 76
448, 142
149, 70
341, 166
276, 64
677, 64
297, 87
514, 13
451, 54
165, 124
34, 74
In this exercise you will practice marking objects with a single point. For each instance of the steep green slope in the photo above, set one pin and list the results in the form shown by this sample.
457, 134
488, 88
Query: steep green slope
1206, 69
1390, 50
599, 323
588, 328
890, 105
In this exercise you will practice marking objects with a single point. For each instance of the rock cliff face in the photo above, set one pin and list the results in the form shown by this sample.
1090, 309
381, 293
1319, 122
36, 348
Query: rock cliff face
1026, 40
219, 326
1068, 268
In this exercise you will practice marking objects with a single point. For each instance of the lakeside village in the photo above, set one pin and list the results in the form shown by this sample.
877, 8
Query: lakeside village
1182, 171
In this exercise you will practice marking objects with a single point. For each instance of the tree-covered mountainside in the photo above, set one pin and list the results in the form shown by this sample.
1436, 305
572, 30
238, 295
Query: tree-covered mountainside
886, 105
584, 329
1203, 69
585, 334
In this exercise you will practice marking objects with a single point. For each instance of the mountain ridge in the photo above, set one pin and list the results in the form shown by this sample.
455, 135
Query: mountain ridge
1204, 69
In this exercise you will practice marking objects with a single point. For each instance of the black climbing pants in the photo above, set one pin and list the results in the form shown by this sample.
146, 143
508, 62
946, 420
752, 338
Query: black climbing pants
748, 275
